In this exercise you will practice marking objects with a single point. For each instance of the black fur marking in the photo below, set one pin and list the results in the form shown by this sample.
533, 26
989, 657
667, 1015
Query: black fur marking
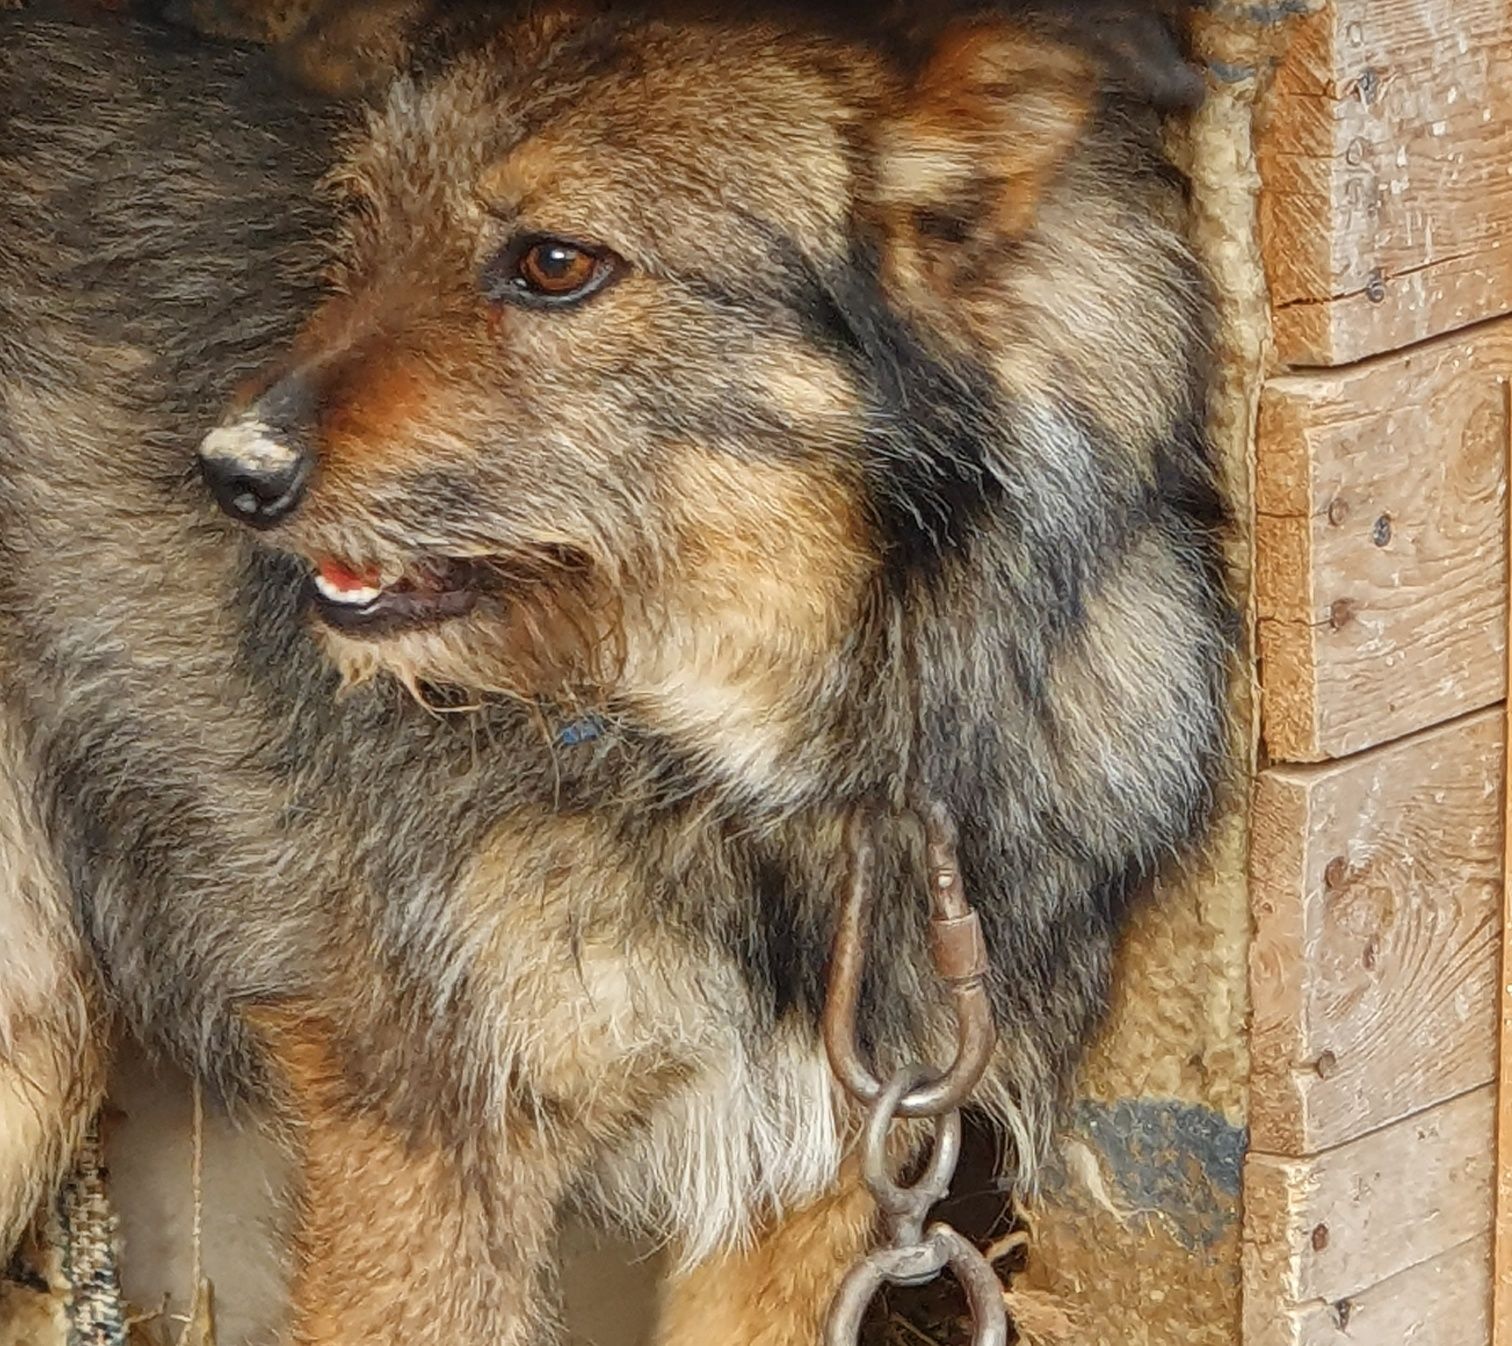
786, 951
433, 501
927, 479
952, 227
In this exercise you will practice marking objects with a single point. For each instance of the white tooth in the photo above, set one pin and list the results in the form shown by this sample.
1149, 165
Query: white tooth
357, 598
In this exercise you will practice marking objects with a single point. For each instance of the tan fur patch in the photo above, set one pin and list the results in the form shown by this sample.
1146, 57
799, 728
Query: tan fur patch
776, 1292
51, 1057
774, 569
991, 120
386, 1213
706, 1131
367, 408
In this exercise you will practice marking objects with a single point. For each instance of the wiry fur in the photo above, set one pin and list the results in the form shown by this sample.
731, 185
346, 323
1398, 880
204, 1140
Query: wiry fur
50, 1059
879, 474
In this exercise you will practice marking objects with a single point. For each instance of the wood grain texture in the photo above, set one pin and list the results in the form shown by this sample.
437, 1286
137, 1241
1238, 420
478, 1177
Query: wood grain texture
1381, 549
1387, 204
1502, 1267
1376, 886
1327, 1229
1443, 1302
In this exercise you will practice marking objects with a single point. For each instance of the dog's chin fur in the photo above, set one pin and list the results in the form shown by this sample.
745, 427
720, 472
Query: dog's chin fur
887, 454
547, 645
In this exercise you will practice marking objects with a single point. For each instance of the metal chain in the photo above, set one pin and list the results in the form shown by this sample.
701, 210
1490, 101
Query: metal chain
912, 1254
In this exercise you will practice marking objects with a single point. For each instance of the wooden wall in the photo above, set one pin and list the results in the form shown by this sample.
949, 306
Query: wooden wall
1381, 583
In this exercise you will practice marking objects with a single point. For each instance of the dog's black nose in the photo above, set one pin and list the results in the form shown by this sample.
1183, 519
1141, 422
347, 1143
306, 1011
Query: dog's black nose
257, 478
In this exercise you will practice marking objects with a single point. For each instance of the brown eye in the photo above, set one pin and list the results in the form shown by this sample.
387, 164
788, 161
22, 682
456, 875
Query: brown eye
548, 271
557, 268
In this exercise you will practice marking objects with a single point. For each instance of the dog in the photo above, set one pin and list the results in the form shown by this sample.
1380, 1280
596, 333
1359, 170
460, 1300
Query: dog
468, 561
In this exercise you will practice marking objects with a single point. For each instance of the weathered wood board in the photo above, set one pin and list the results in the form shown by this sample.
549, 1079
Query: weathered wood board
1387, 204
1443, 1302
1338, 1227
1376, 887
1501, 1283
1381, 549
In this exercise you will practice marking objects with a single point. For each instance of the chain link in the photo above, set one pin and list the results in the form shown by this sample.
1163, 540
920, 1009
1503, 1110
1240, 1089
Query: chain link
912, 1254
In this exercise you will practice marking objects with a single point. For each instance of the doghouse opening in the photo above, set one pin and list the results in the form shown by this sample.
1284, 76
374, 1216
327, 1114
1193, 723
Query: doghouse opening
1300, 1055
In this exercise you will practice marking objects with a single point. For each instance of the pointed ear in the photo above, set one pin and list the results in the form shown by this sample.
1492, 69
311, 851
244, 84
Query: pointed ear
988, 121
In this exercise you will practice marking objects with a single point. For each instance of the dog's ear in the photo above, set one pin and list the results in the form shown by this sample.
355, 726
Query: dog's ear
963, 164
993, 112
1143, 48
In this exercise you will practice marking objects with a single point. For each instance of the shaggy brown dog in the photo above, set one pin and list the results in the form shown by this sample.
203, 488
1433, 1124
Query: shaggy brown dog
678, 434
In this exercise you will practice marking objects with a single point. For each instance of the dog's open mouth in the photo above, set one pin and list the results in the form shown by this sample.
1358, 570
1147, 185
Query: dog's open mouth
357, 602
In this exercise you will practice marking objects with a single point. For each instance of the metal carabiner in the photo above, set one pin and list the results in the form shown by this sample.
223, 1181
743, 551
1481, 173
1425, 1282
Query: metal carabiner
913, 1256
960, 957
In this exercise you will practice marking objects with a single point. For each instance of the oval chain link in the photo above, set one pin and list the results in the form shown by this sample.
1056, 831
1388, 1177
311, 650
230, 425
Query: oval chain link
911, 1253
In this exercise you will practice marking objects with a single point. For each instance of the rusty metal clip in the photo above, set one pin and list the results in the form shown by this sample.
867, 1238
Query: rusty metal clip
960, 957
913, 1254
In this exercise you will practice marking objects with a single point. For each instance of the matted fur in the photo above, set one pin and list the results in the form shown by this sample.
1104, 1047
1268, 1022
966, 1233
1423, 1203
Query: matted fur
878, 474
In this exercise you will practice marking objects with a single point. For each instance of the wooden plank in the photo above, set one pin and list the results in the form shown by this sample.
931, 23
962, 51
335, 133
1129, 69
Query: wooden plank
1443, 1302
1381, 553
1376, 887
1384, 157
1502, 1271
1326, 1229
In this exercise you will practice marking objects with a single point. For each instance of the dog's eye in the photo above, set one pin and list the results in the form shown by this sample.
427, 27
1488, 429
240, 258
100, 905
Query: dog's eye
557, 269
545, 272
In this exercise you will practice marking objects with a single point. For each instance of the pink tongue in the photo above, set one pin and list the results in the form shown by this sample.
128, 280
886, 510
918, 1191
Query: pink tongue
343, 577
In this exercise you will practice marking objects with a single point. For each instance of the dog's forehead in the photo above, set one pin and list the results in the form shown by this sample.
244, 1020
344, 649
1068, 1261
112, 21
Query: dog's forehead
677, 145
740, 114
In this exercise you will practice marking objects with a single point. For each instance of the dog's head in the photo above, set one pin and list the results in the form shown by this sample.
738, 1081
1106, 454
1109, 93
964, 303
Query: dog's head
658, 353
